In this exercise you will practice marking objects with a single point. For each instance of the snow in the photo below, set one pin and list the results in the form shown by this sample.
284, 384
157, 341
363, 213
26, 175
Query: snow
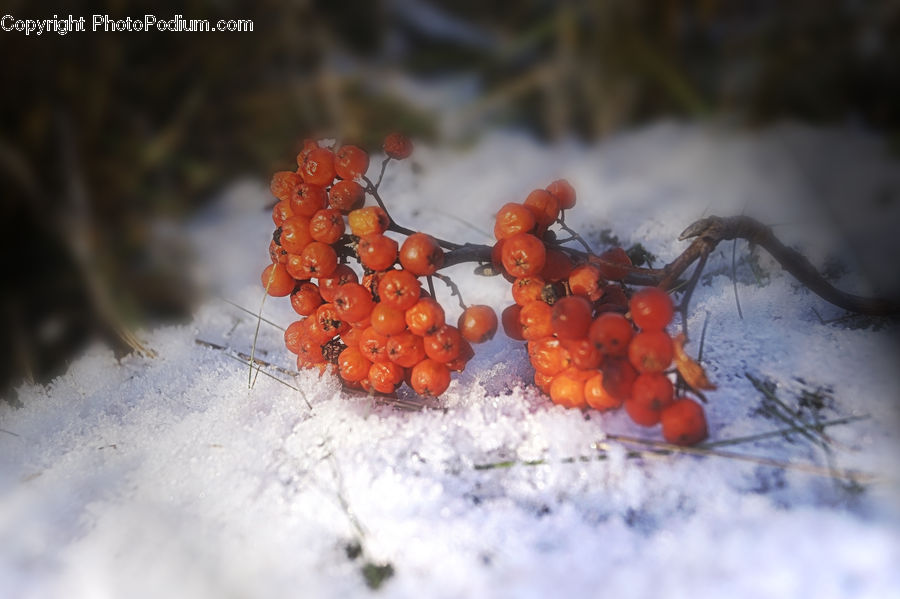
167, 476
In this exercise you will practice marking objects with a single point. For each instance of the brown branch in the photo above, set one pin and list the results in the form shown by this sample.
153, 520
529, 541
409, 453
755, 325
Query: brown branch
707, 234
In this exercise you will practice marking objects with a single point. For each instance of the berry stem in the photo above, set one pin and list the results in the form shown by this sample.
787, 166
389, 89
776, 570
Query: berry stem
384, 164
454, 289
561, 221
372, 189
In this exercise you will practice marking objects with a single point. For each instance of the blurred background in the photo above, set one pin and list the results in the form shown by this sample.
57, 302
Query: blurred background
109, 140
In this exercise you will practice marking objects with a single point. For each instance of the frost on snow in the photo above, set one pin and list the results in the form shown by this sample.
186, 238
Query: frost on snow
169, 477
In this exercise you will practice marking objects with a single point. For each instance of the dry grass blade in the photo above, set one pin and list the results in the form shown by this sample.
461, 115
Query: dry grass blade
782, 431
784, 413
244, 358
252, 313
250, 377
663, 447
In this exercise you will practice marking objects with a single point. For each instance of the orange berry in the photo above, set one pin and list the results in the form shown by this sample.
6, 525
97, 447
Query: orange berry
618, 377
567, 388
406, 349
318, 167
284, 185
571, 317
308, 200
329, 321
523, 255
557, 266
295, 234
527, 289
466, 353
478, 323
596, 395
548, 356
584, 355
327, 226
511, 219
640, 414
651, 351
653, 390
368, 221
512, 326
397, 146
543, 205
684, 422
294, 335
399, 289
386, 377
318, 260
346, 195
429, 377
614, 264
373, 345
387, 320
563, 192
377, 252
305, 299
328, 285
611, 334
308, 146
651, 309
353, 365
277, 253
425, 317
353, 302
585, 280
276, 280
421, 254
444, 344
536, 320
351, 162
281, 212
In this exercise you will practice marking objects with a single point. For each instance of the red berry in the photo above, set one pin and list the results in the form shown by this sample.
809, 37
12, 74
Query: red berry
640, 414
511, 219
276, 280
399, 289
543, 205
523, 255
611, 334
651, 351
305, 299
614, 264
563, 192
429, 377
351, 162
571, 317
353, 302
377, 252
425, 317
478, 323
368, 221
318, 167
327, 226
684, 422
651, 309
346, 195
421, 254
308, 200
653, 390
397, 146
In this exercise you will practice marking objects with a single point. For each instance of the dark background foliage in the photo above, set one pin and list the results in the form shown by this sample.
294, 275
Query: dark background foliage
104, 136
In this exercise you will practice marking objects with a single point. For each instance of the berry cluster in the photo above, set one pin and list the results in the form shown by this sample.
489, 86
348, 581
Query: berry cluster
585, 350
378, 326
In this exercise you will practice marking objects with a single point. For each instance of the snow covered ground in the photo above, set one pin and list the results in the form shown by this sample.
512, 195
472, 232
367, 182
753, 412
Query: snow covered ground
168, 477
